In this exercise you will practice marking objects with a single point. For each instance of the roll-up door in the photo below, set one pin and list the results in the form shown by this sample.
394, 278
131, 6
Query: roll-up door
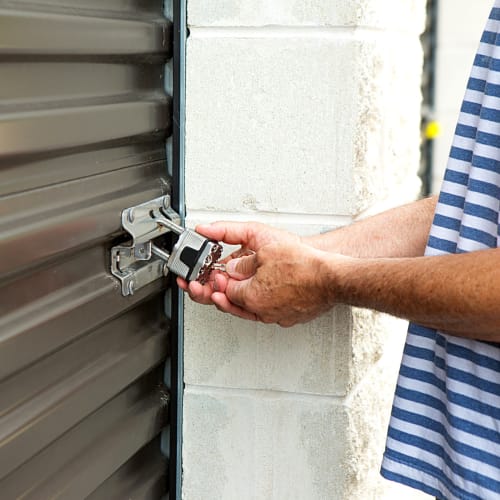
83, 122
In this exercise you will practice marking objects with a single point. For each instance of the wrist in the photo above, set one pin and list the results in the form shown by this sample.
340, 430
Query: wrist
335, 272
326, 242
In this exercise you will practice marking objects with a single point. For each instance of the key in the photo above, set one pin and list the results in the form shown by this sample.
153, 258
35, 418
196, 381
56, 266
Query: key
219, 266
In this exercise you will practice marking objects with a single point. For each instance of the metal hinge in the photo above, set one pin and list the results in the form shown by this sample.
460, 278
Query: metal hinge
142, 262
193, 257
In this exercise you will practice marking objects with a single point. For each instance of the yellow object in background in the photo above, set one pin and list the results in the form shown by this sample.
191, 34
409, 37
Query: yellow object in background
432, 130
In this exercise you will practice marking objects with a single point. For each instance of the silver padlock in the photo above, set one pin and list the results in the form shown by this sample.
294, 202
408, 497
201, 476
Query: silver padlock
193, 256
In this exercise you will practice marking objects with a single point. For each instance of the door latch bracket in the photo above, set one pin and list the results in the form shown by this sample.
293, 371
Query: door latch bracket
141, 262
193, 257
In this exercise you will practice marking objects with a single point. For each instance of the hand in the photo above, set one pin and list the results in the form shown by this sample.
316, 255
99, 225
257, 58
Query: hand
281, 283
249, 236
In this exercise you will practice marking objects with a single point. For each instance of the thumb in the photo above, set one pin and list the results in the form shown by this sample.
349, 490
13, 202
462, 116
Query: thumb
242, 268
236, 292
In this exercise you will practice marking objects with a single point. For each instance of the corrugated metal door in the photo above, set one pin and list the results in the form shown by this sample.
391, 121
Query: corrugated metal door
83, 122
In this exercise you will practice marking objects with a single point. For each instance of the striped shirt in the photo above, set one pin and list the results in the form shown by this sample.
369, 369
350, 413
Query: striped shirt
444, 433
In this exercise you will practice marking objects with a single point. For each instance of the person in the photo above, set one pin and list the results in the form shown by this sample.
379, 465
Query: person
435, 262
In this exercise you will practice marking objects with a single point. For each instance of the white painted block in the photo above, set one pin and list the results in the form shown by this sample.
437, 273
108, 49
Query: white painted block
272, 125
262, 445
253, 445
327, 356
223, 351
390, 14
262, 125
375, 337
293, 122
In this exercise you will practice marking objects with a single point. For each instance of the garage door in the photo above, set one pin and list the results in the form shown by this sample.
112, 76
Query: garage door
84, 117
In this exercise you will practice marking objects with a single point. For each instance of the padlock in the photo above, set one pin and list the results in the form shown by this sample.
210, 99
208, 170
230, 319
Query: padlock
193, 256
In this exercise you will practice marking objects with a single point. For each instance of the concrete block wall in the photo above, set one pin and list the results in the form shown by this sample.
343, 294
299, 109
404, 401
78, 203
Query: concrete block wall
304, 115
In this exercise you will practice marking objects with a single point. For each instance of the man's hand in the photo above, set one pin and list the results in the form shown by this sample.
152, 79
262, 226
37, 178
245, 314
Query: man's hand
281, 283
401, 232
273, 277
250, 236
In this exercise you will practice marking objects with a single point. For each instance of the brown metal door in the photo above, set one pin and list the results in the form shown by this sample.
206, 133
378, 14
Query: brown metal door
83, 122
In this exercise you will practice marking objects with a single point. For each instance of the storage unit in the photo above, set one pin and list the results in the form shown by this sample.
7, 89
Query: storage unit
84, 118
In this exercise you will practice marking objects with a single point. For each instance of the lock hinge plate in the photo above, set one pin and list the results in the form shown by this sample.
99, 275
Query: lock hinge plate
135, 264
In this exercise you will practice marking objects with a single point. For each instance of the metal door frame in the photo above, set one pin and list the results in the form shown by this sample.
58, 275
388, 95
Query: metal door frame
176, 374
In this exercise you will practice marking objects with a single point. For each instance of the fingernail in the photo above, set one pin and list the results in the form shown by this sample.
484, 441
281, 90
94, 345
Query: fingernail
231, 266
216, 286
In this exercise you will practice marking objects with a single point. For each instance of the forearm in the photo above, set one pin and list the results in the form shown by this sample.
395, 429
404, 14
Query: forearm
400, 232
459, 294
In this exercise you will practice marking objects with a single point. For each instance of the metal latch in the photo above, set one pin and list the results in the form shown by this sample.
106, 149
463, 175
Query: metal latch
144, 260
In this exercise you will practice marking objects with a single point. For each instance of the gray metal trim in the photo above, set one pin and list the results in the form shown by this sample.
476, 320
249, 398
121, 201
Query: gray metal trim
83, 122
71, 127
38, 309
21, 175
61, 390
143, 476
46, 222
76, 464
78, 35
180, 36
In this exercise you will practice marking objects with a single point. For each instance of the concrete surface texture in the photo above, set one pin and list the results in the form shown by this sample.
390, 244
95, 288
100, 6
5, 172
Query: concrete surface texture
304, 115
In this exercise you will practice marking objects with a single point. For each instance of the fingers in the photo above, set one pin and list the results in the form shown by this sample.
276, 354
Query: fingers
247, 234
242, 268
236, 292
206, 295
223, 304
200, 293
203, 293
182, 283
220, 282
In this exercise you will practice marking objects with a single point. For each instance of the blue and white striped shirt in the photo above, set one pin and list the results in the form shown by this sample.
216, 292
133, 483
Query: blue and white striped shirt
444, 433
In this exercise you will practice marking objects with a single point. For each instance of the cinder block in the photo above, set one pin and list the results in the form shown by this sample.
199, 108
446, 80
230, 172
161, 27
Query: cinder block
302, 225
327, 356
390, 14
223, 351
262, 125
387, 137
376, 338
272, 125
250, 445
254, 445
305, 127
